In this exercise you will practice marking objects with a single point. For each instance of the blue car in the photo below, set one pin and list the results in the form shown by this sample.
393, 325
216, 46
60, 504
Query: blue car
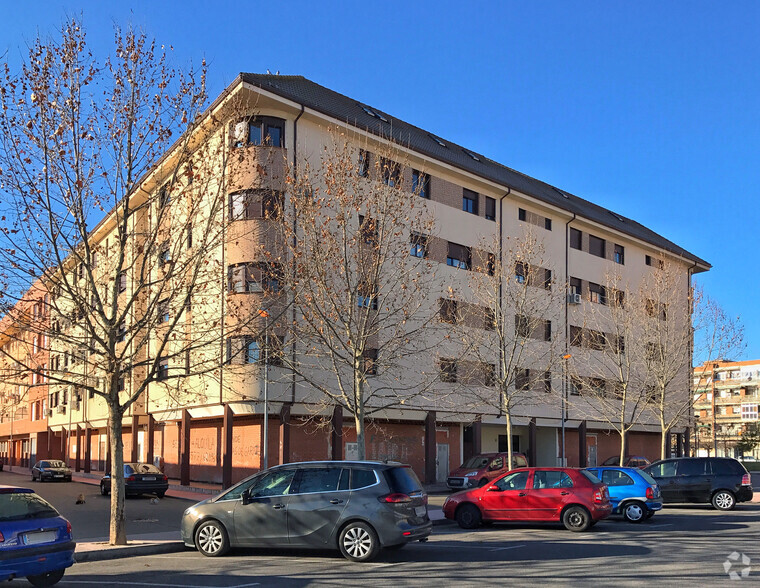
35, 541
633, 493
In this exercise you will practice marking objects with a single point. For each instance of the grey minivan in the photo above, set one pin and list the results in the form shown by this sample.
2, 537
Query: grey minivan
357, 507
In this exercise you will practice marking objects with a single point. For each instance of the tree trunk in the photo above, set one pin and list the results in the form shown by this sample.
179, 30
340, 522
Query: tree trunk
623, 443
359, 414
510, 461
663, 439
117, 533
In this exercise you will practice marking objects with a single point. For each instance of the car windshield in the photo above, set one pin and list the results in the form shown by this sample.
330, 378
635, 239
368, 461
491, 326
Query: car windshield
53, 464
476, 462
18, 506
647, 477
140, 468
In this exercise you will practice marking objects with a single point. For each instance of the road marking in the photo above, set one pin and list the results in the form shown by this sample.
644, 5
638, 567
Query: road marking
505, 548
658, 526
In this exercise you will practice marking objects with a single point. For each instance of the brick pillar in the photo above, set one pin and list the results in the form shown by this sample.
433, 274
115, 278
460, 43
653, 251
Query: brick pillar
87, 449
135, 428
78, 452
582, 450
184, 443
687, 442
477, 437
668, 441
336, 433
285, 434
227, 447
150, 434
532, 442
431, 453
679, 445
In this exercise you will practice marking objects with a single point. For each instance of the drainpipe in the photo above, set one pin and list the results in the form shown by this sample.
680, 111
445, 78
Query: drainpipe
293, 310
501, 281
692, 421
567, 334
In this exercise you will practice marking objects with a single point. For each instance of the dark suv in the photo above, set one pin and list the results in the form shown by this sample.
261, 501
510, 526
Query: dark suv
721, 481
357, 507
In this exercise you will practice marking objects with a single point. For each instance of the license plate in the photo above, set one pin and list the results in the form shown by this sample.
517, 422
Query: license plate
58, 475
420, 511
40, 537
149, 478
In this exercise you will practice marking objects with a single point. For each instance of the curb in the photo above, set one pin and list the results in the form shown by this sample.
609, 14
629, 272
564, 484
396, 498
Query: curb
128, 551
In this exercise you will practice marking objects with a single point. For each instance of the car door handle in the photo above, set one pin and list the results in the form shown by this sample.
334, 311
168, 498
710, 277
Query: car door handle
278, 506
564, 493
336, 501
523, 494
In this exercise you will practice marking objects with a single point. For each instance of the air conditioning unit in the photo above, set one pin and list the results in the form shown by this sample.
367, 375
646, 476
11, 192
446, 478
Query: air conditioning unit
573, 298
49, 412
60, 409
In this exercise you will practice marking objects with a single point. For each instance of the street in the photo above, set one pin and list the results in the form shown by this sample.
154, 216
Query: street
679, 546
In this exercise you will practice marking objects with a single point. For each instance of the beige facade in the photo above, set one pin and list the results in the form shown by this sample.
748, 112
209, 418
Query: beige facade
209, 426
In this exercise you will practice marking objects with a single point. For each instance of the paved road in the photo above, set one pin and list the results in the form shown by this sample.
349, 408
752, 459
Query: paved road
679, 546
90, 520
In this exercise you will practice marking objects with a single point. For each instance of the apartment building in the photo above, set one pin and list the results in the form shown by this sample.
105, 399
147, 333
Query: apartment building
210, 426
726, 400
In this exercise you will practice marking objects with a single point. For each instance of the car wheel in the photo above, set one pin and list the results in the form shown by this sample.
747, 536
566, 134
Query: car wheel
103, 489
723, 500
634, 512
469, 517
358, 542
211, 539
48, 579
576, 518
482, 482
160, 494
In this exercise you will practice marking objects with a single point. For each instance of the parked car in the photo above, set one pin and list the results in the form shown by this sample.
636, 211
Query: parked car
139, 478
575, 497
721, 481
633, 492
483, 468
630, 461
51, 469
35, 541
357, 507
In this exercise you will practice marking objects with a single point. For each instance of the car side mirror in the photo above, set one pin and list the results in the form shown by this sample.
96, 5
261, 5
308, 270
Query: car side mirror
246, 496
493, 488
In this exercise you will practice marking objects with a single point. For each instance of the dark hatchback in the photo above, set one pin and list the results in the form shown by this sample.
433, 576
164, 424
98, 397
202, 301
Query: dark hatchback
139, 478
721, 481
35, 541
357, 507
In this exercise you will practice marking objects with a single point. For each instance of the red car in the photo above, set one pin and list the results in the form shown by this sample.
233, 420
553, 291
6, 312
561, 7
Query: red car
482, 468
575, 497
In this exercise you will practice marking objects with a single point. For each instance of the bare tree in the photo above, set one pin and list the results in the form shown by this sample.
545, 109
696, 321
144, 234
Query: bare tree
112, 200
607, 373
508, 326
358, 240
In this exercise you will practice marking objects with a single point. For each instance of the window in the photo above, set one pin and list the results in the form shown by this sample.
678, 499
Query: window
367, 296
163, 369
315, 480
458, 256
163, 311
522, 326
363, 169
657, 309
390, 173
271, 204
547, 382
164, 196
121, 332
521, 214
658, 263
616, 478
597, 293
448, 312
516, 481
368, 230
243, 350
491, 264
448, 369
469, 201
596, 246
548, 224
551, 479
254, 278
187, 362
749, 412
164, 254
522, 379
252, 204
620, 254
263, 130
521, 272
576, 239
362, 479
421, 184
576, 286
418, 245
489, 374
369, 358
490, 208
122, 281
489, 319
547, 279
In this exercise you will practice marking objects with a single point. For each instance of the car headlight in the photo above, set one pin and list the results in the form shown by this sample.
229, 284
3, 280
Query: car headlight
190, 512
470, 474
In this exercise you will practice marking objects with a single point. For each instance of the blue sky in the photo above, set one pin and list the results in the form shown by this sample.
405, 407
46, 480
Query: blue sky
648, 108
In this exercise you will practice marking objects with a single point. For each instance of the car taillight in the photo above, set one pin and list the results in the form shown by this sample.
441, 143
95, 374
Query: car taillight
68, 527
166, 479
131, 479
395, 498
650, 493
601, 495
1, 537
746, 480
